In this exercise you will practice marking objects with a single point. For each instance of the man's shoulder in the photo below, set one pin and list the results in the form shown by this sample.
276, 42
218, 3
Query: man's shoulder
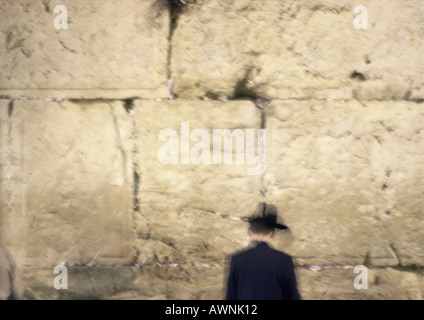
241, 253
280, 254
261, 248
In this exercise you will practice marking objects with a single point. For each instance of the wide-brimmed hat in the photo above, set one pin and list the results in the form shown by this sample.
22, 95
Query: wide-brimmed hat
267, 215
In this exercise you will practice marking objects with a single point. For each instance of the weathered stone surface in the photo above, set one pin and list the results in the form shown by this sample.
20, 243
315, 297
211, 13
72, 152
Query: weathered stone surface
202, 283
83, 282
190, 283
71, 195
346, 179
149, 283
345, 175
186, 209
108, 45
383, 284
126, 283
299, 49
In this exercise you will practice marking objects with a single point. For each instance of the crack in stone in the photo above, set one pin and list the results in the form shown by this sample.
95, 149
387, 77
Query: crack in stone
241, 89
395, 253
9, 165
129, 107
66, 47
46, 4
170, 81
263, 189
175, 8
119, 140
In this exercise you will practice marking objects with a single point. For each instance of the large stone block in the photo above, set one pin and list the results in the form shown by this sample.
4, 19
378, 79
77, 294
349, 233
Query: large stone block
108, 45
149, 283
126, 283
382, 284
299, 49
90, 282
186, 209
346, 177
191, 283
71, 174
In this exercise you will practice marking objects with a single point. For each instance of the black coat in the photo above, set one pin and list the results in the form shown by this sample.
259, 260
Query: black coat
262, 273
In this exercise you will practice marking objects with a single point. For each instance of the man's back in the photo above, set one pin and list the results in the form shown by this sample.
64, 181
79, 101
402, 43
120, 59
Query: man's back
262, 273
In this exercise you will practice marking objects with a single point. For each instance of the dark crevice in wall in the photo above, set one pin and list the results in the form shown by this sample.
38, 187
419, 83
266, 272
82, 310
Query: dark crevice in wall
90, 101
129, 105
263, 189
129, 108
263, 119
396, 254
174, 8
136, 177
241, 90
367, 260
170, 81
46, 5
10, 107
367, 59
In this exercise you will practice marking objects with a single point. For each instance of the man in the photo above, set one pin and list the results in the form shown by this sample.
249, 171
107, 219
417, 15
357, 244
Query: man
10, 283
261, 272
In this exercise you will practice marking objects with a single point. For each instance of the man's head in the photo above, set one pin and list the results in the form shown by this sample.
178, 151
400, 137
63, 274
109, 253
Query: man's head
260, 231
260, 228
263, 222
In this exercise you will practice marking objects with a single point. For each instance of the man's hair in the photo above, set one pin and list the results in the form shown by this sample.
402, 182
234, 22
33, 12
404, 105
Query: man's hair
257, 227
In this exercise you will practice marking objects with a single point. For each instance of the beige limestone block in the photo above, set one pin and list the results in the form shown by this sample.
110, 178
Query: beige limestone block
149, 283
107, 45
338, 284
196, 283
299, 49
346, 177
71, 183
84, 283
186, 210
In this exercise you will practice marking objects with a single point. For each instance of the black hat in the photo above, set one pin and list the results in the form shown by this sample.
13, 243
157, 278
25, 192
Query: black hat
267, 215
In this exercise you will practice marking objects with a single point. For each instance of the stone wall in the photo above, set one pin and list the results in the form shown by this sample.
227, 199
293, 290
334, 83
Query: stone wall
82, 109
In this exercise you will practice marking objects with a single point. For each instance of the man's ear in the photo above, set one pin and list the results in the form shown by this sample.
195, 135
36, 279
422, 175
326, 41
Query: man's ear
272, 234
